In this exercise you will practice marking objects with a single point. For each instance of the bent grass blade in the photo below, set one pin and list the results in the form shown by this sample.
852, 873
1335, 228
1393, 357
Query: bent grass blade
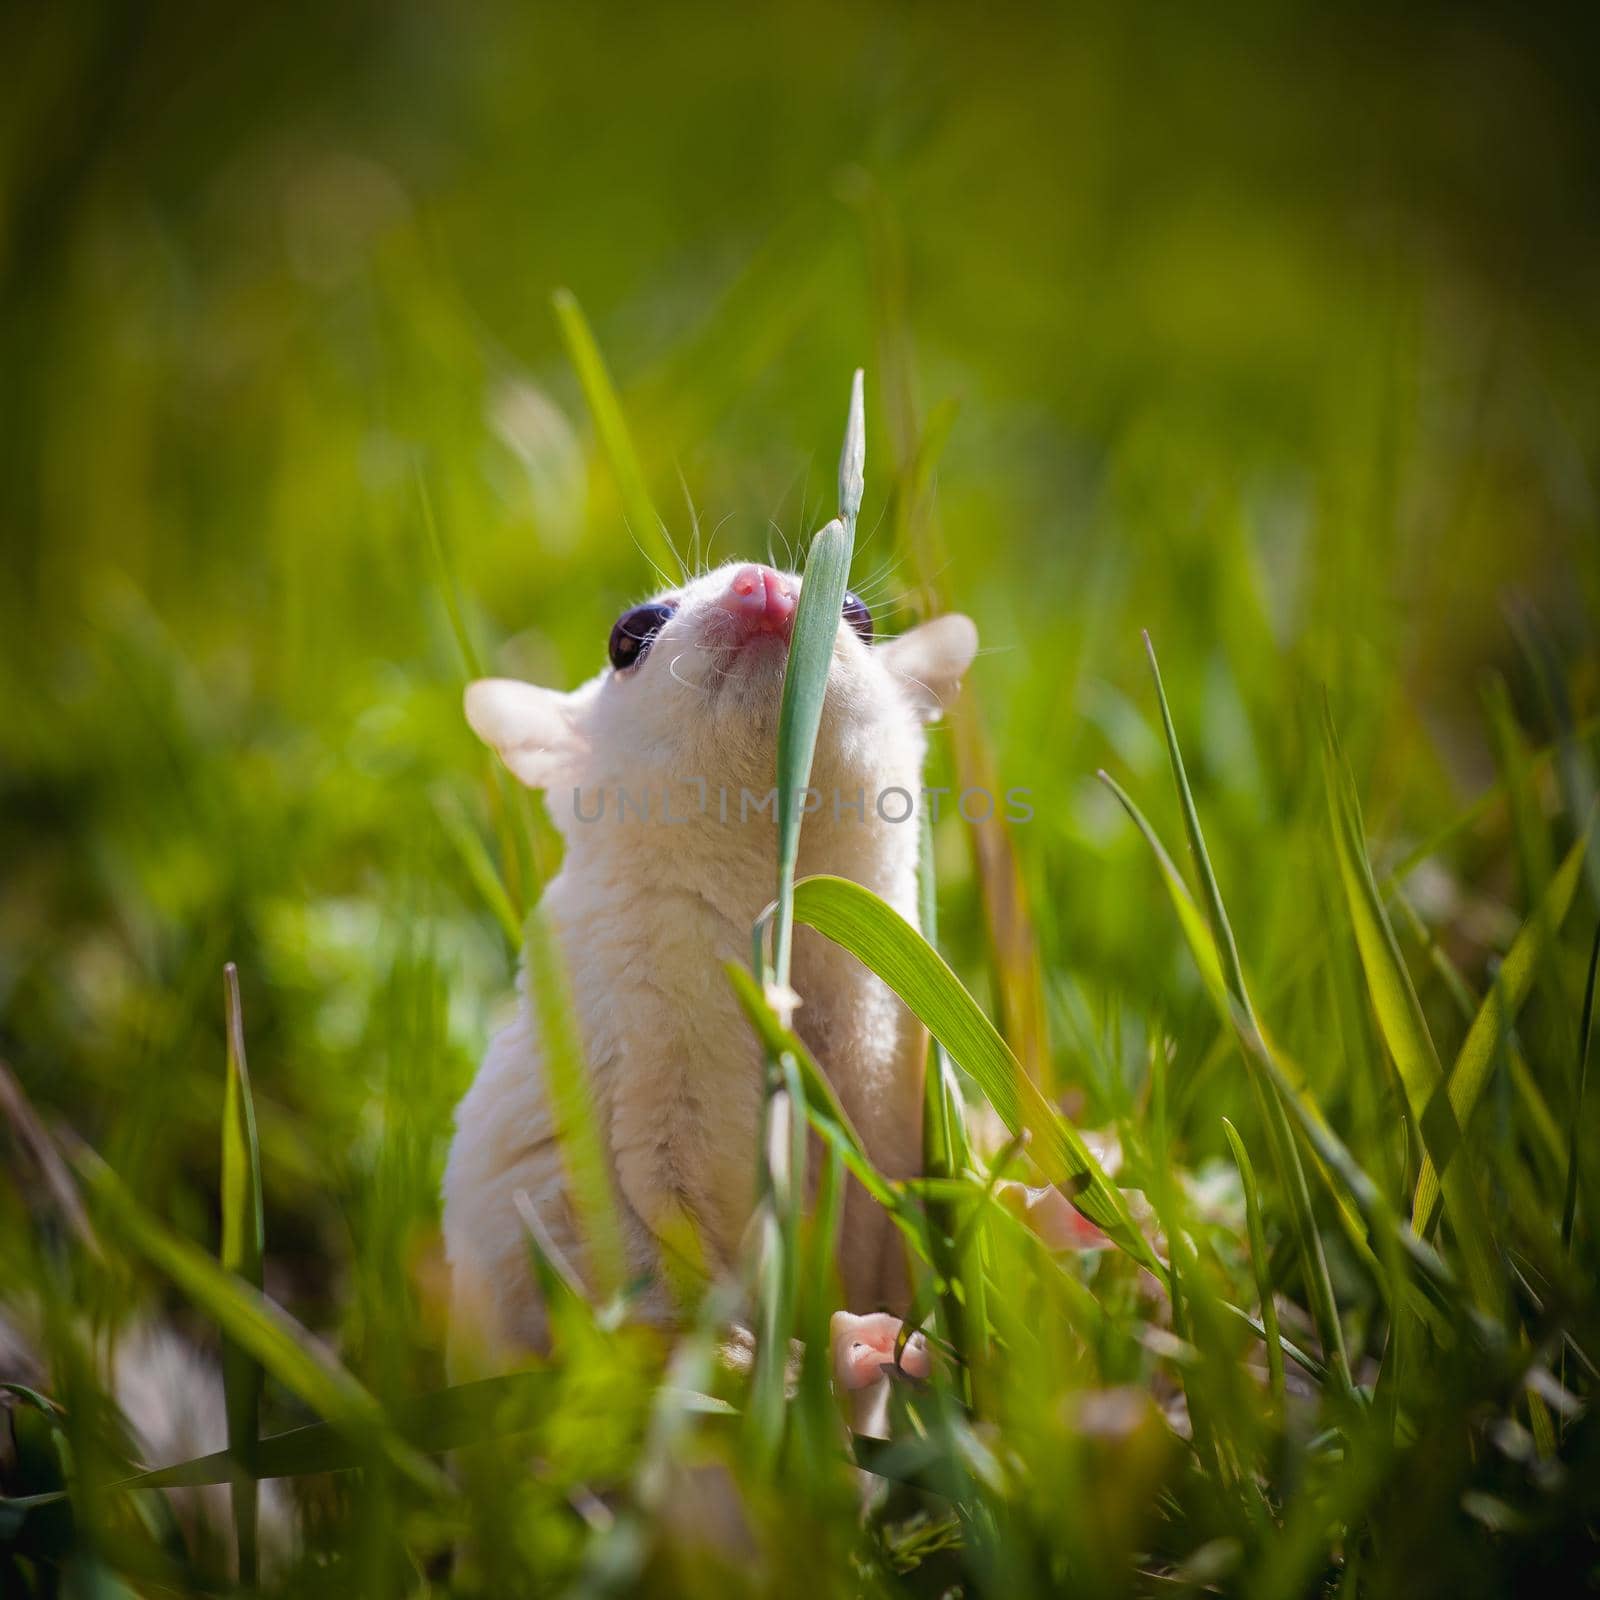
1529, 952
257, 1325
877, 935
1224, 975
1400, 1017
243, 1248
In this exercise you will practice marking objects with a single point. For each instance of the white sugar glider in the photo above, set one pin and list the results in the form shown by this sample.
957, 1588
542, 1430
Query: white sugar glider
655, 773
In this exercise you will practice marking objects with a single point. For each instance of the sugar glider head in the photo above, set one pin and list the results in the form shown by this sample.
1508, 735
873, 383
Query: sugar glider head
694, 685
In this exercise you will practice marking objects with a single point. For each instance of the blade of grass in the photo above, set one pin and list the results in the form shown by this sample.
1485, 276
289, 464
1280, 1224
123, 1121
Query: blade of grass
1535, 1106
570, 1313
1280, 1137
243, 1247
822, 1107
637, 507
805, 684
853, 454
876, 934
962, 1312
1386, 1230
1008, 914
1529, 951
805, 678
1203, 950
829, 1116
816, 1413
442, 1420
945, 1146
1569, 1209
445, 579
52, 1173
258, 1326
1394, 998
1210, 894
582, 1149
1194, 1317
474, 856
1258, 1258
1306, 1362
521, 838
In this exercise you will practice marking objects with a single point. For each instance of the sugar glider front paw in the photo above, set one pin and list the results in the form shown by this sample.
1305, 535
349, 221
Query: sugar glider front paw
863, 1350
863, 1361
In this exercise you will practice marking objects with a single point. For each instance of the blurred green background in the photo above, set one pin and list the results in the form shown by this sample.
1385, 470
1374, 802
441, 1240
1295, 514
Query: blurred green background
1272, 329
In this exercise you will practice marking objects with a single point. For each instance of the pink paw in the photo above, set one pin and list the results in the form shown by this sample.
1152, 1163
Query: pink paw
1050, 1215
864, 1346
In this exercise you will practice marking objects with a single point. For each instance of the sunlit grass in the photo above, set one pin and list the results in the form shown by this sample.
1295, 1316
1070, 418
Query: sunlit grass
1167, 1410
298, 451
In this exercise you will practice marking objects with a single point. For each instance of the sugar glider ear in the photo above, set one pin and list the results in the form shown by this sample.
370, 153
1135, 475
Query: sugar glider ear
930, 659
535, 730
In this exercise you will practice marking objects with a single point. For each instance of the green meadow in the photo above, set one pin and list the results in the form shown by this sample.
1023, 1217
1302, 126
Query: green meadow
1233, 371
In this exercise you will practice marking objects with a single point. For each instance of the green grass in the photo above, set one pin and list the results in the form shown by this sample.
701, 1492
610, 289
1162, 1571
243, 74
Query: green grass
1272, 340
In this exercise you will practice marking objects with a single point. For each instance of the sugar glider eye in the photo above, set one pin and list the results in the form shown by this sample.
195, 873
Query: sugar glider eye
857, 615
636, 630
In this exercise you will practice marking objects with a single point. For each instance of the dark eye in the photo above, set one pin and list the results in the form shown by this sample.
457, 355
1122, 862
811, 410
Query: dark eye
857, 615
636, 630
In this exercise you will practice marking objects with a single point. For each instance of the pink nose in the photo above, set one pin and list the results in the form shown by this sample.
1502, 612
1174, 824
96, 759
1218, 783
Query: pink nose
761, 600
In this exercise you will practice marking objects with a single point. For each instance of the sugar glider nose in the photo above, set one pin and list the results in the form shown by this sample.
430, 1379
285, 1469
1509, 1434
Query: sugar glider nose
761, 600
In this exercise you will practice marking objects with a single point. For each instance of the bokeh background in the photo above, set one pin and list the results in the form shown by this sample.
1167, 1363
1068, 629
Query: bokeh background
1270, 329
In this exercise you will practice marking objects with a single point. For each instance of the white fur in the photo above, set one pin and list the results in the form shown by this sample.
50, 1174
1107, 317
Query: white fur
647, 912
